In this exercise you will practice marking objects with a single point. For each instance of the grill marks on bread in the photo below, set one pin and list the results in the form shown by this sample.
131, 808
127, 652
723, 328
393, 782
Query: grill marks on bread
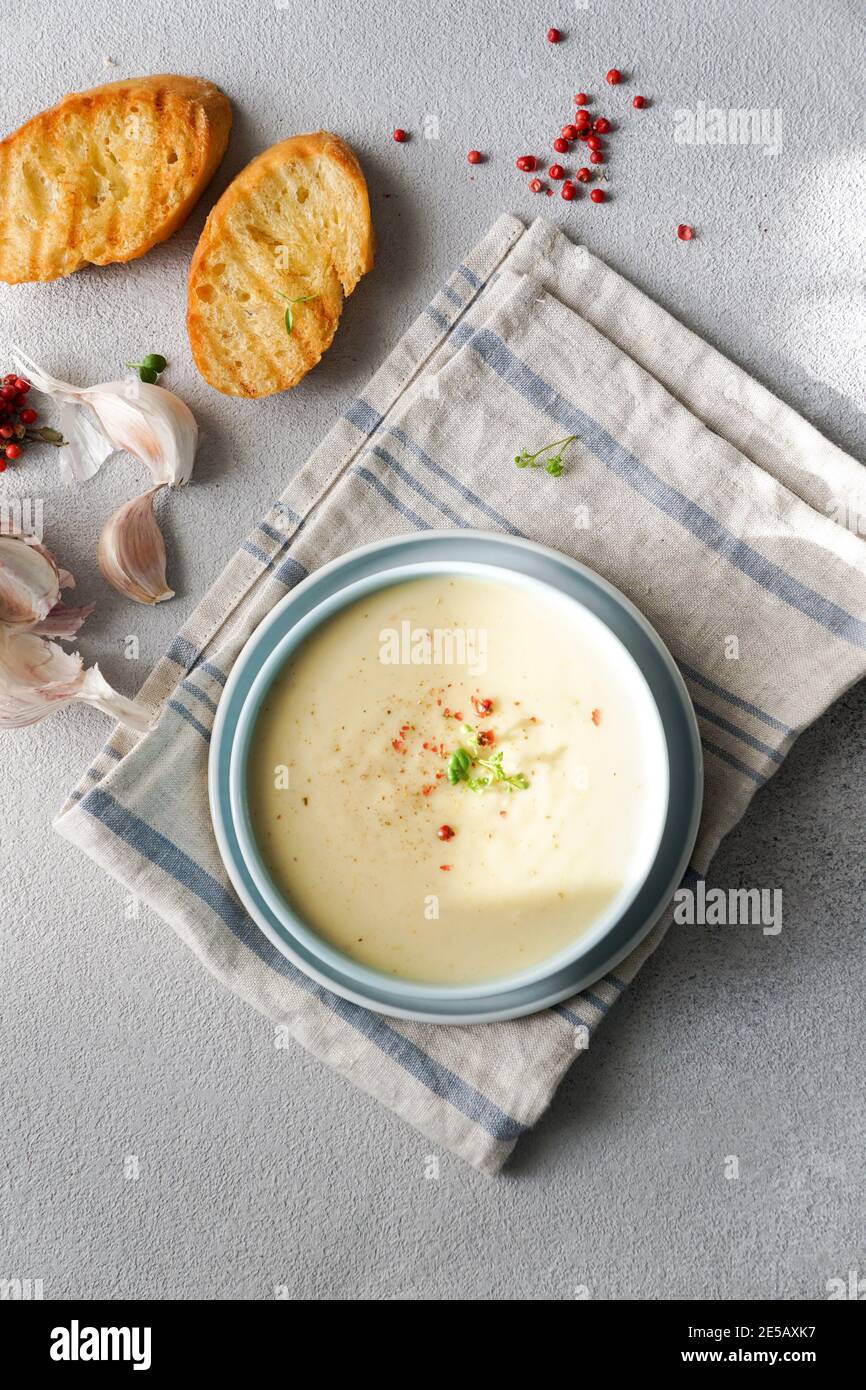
105, 175
295, 224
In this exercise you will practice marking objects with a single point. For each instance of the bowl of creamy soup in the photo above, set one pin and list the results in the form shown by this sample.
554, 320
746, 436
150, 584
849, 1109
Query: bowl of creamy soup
449, 776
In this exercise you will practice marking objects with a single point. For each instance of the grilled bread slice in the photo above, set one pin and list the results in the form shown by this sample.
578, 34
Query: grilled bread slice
106, 174
292, 232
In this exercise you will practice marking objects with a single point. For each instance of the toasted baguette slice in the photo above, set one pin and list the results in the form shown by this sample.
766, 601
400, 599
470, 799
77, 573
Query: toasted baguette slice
106, 174
294, 225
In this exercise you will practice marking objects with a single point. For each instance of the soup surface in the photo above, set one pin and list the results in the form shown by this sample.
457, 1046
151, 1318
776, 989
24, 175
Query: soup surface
454, 777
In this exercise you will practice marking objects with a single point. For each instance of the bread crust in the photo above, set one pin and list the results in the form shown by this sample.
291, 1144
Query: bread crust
40, 164
334, 263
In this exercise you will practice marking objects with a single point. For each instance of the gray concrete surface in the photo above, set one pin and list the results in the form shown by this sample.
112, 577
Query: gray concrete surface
258, 1169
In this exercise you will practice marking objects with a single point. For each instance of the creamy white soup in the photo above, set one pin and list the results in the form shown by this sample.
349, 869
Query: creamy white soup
452, 779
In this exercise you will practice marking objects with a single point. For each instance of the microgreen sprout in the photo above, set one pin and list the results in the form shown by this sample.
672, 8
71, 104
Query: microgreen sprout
467, 758
551, 463
303, 299
150, 367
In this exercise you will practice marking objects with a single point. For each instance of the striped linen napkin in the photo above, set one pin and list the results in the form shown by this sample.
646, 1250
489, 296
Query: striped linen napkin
690, 487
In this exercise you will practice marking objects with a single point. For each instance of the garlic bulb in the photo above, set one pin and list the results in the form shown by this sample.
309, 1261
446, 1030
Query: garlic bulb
131, 552
38, 677
149, 422
30, 585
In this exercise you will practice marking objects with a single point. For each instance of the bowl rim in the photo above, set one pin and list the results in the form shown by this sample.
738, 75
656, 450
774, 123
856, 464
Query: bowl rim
332, 958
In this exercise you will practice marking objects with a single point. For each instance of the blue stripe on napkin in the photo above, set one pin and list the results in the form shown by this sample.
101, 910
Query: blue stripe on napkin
441, 1081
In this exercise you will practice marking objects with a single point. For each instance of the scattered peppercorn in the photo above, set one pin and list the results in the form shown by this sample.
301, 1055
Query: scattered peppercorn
17, 419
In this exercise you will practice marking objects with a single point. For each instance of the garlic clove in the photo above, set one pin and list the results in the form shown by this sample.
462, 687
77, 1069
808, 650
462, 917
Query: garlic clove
67, 580
30, 585
37, 677
151, 423
131, 552
147, 421
29, 582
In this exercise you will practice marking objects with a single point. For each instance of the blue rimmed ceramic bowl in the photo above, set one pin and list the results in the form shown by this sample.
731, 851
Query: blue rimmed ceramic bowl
652, 736
667, 719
